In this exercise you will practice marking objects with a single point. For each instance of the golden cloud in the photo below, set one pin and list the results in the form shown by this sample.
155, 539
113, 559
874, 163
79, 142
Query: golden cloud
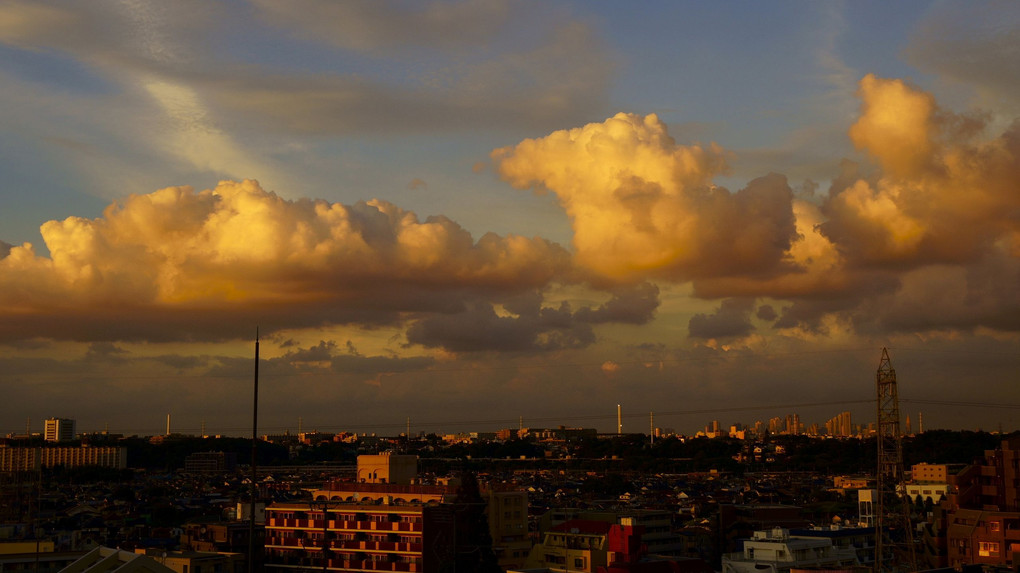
944, 194
644, 207
240, 247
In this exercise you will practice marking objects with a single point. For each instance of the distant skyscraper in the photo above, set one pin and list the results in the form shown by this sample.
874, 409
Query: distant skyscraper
59, 430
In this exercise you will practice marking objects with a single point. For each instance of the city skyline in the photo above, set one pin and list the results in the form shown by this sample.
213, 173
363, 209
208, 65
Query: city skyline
461, 212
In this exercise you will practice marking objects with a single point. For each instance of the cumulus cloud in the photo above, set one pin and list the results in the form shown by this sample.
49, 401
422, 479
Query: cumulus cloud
731, 320
940, 194
643, 206
237, 252
944, 194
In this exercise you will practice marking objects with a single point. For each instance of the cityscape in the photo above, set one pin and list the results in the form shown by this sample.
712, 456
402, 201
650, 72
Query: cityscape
518, 500
444, 286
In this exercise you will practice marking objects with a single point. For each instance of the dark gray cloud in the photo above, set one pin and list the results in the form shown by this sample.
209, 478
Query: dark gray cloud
104, 350
767, 313
628, 305
479, 328
731, 320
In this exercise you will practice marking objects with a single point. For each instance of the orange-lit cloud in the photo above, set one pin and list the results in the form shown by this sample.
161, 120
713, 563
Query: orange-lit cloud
238, 250
179, 264
642, 206
947, 191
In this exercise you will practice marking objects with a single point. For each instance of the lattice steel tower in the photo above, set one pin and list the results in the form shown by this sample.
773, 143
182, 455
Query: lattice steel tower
894, 538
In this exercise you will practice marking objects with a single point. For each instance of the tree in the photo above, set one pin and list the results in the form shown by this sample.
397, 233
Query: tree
474, 542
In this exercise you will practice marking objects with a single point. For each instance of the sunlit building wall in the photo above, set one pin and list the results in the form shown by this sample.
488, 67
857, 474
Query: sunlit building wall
59, 430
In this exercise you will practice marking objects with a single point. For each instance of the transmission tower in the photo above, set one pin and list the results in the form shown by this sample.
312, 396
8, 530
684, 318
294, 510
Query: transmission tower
893, 528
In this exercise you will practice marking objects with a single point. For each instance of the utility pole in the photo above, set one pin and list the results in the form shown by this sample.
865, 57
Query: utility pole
254, 461
889, 478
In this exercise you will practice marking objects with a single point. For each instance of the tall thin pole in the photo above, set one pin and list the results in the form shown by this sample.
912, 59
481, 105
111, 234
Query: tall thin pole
254, 461
889, 477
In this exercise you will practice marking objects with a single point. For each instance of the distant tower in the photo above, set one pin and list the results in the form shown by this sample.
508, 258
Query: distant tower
619, 420
651, 428
890, 473
168, 424
58, 430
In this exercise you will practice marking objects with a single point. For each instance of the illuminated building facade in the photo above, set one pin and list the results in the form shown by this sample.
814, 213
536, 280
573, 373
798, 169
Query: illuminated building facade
30, 459
58, 430
359, 537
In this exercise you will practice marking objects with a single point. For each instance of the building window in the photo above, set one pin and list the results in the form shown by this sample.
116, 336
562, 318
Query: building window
988, 549
993, 526
579, 563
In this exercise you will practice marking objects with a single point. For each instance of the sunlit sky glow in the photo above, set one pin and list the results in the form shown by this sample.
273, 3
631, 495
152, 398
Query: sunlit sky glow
468, 213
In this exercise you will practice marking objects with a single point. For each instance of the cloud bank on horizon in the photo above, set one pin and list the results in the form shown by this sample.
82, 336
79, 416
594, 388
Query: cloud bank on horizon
185, 265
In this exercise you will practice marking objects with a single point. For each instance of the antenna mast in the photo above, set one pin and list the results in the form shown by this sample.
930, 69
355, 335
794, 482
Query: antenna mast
889, 479
254, 461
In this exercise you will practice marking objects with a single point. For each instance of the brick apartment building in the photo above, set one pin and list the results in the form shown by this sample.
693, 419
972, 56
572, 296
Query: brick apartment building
979, 521
359, 537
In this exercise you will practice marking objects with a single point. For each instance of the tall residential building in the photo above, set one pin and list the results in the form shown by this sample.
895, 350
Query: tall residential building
59, 430
359, 537
840, 425
978, 522
378, 485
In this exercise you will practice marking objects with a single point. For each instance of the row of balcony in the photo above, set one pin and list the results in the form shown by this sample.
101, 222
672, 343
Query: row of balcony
317, 524
310, 545
350, 565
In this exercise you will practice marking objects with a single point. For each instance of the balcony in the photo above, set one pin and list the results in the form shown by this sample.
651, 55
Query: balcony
367, 565
379, 546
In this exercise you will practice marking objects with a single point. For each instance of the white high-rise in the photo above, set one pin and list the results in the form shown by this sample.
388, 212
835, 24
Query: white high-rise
59, 430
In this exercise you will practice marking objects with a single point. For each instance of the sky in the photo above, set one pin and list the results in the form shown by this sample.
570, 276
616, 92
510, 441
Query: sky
467, 216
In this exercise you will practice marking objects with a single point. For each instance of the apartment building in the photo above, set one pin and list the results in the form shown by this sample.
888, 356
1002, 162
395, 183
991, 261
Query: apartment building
31, 459
979, 520
58, 430
359, 537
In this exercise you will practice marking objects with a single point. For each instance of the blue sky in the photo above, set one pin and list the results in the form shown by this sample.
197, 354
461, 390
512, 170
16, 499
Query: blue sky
787, 180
